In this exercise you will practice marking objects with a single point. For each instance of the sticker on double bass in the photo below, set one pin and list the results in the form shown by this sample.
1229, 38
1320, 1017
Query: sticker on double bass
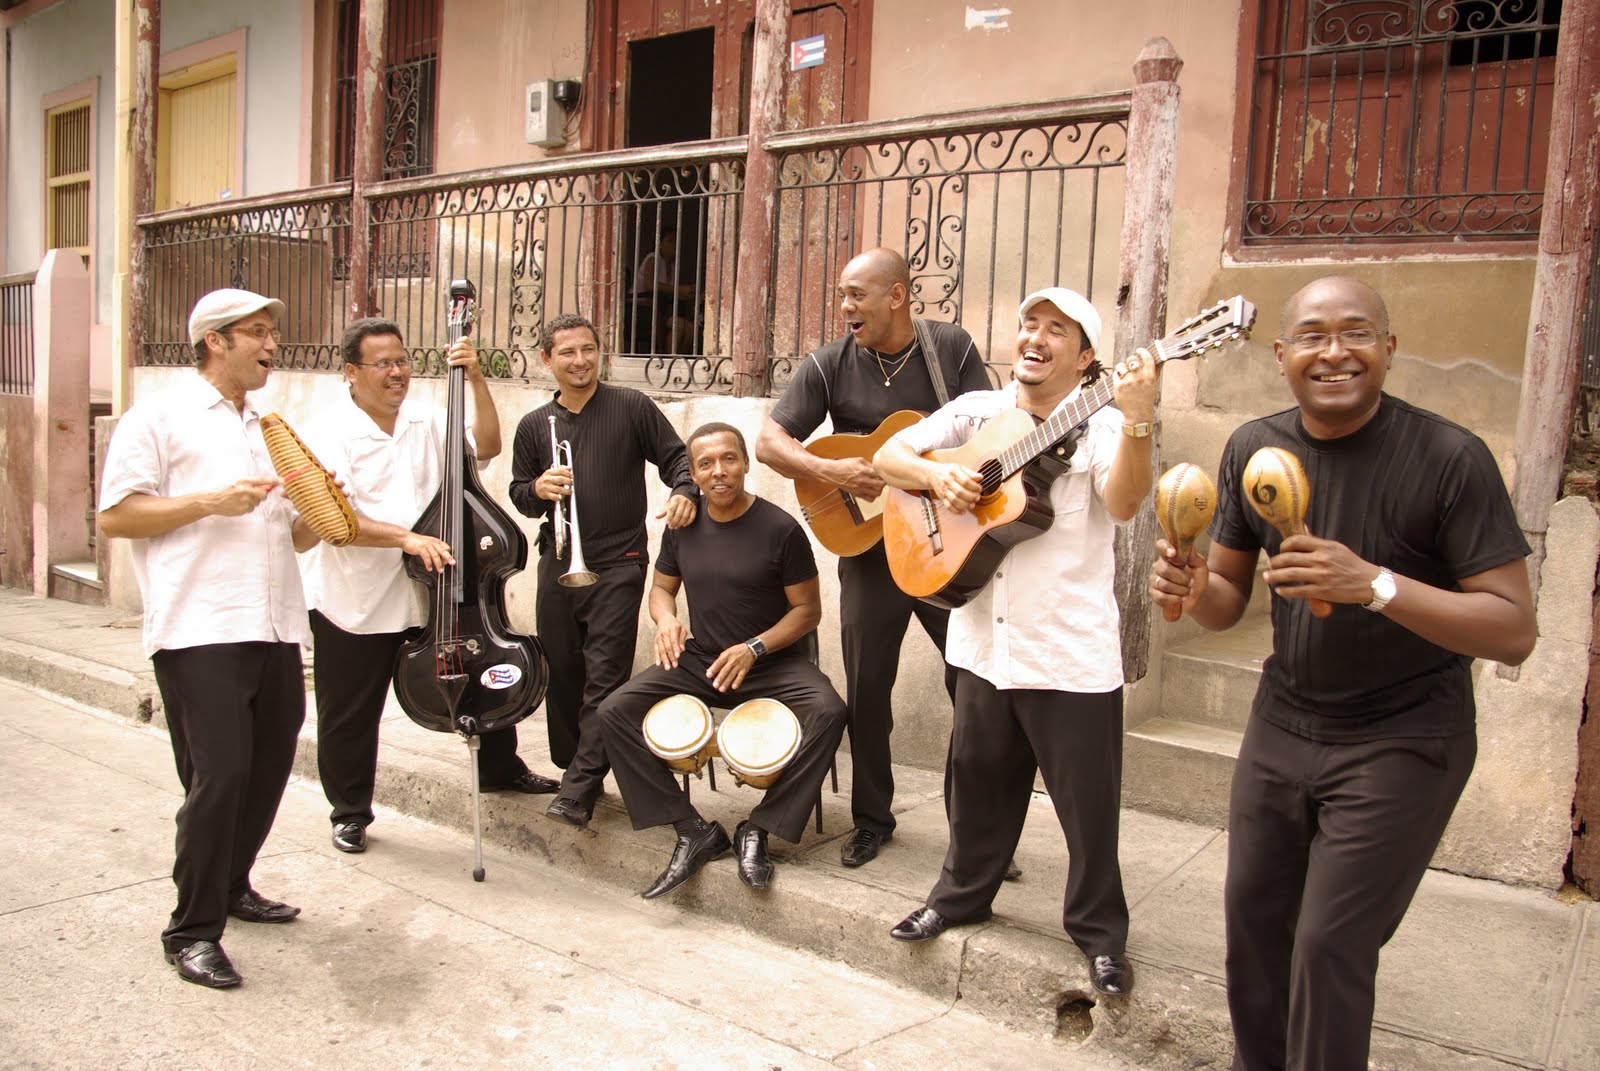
502, 676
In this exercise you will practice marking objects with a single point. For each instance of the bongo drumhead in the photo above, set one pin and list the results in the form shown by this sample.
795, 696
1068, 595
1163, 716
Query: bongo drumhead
758, 739
678, 729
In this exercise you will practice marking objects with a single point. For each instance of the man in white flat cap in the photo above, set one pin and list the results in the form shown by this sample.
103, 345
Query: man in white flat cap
188, 480
1037, 651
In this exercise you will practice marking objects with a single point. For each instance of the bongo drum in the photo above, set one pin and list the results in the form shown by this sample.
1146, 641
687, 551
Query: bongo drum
757, 740
678, 731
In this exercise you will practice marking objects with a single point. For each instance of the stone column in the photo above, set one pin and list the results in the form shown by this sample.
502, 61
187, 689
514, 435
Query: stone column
61, 492
1142, 301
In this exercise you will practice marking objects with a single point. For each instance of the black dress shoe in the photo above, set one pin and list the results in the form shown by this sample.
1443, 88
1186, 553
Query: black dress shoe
924, 924
251, 906
1013, 871
204, 963
569, 811
1111, 975
862, 847
755, 865
689, 855
350, 837
526, 781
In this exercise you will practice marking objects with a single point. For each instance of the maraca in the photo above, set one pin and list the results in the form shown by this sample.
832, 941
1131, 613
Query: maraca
1276, 484
1185, 500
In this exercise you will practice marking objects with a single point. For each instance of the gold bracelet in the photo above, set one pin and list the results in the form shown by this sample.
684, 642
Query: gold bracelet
1142, 430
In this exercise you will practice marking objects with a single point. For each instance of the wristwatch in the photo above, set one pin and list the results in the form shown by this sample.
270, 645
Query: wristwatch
757, 648
1142, 430
1383, 589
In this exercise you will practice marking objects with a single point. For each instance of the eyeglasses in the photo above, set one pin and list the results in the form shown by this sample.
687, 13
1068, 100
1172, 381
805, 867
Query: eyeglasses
385, 366
259, 332
1317, 341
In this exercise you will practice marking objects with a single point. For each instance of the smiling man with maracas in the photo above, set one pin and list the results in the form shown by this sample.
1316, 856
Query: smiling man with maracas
1361, 736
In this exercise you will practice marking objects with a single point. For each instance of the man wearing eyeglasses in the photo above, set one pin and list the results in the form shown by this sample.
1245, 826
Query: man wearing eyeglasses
1361, 735
188, 480
389, 452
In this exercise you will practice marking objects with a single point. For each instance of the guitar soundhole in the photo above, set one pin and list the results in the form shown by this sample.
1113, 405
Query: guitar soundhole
989, 472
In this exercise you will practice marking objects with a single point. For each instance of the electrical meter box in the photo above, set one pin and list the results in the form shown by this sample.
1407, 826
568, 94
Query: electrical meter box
544, 116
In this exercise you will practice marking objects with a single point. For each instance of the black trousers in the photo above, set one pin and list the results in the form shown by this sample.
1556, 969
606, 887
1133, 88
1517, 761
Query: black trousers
1327, 844
874, 615
352, 673
234, 712
1074, 739
588, 635
650, 789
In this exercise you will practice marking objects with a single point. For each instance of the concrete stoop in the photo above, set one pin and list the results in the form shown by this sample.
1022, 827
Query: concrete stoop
1018, 968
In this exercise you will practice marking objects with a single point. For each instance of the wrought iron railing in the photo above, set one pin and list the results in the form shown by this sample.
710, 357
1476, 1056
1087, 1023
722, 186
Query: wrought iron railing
985, 206
16, 334
571, 235
287, 246
1399, 120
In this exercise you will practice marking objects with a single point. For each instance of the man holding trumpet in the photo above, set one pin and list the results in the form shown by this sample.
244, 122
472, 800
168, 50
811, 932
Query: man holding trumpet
588, 625
1361, 735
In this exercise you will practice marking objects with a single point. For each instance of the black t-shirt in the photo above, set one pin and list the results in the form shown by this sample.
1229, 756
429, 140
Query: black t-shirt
734, 574
1410, 491
844, 382
612, 437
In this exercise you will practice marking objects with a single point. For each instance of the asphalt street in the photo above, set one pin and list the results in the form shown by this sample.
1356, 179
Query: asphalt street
400, 960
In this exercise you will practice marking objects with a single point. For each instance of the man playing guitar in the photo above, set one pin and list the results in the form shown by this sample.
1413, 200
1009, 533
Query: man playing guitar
1036, 653
857, 381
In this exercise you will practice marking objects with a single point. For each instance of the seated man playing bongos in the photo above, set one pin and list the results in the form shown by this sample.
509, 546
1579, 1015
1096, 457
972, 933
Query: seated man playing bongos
751, 584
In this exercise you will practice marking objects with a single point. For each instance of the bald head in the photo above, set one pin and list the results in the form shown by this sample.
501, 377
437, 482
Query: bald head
1344, 286
875, 300
882, 265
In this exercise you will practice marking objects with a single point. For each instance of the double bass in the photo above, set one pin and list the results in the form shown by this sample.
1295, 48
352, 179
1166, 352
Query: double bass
465, 670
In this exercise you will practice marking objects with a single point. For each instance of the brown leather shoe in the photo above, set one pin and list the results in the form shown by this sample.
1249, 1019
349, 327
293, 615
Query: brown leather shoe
204, 963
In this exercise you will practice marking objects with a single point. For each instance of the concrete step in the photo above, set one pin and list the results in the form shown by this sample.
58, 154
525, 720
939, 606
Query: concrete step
1179, 769
1212, 678
77, 582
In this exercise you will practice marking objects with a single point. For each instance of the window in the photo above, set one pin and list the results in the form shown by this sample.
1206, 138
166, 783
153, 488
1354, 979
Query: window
196, 142
1414, 121
67, 177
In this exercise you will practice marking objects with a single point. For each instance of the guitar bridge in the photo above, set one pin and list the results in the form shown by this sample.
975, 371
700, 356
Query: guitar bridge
930, 523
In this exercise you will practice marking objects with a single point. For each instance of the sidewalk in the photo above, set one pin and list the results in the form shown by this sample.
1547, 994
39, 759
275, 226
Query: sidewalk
1480, 976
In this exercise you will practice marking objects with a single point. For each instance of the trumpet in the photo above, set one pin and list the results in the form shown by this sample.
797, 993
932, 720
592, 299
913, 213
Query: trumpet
578, 574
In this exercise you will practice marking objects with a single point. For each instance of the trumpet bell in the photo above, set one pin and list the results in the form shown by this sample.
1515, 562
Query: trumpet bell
576, 577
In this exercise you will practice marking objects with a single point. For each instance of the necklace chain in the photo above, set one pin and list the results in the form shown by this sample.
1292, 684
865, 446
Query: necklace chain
899, 361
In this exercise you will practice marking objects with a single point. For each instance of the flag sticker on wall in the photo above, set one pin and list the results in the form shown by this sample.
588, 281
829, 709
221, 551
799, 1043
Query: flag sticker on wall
807, 52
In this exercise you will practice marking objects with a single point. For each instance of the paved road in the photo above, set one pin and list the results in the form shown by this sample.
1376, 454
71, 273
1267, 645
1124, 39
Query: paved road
400, 960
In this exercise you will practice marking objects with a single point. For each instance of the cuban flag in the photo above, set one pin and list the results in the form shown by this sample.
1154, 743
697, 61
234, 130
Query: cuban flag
807, 52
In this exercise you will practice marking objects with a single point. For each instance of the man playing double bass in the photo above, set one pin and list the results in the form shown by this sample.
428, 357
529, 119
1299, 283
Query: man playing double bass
389, 452
855, 382
588, 633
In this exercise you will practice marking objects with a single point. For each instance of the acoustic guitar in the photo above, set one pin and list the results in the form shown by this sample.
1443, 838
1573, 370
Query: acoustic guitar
946, 558
843, 523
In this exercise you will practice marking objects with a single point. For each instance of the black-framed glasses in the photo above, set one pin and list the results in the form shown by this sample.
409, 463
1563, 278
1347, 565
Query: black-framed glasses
259, 332
1317, 341
385, 366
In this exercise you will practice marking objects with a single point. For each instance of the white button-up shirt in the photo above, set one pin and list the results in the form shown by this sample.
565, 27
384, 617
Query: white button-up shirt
388, 478
219, 579
1049, 617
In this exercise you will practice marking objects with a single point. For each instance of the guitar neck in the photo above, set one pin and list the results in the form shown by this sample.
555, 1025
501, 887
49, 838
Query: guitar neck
1091, 399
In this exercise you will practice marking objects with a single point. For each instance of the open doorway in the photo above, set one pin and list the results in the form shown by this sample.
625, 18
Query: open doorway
662, 247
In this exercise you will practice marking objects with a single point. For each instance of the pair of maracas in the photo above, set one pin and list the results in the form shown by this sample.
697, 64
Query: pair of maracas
1277, 487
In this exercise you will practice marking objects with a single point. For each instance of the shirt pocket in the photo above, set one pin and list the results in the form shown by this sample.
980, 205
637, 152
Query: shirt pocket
1070, 492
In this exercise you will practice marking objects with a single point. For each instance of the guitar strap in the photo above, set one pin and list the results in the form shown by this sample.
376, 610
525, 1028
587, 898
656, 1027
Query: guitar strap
935, 371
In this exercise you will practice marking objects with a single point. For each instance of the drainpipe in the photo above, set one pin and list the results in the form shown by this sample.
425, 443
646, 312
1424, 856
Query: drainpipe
751, 328
1566, 253
368, 162
1142, 301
